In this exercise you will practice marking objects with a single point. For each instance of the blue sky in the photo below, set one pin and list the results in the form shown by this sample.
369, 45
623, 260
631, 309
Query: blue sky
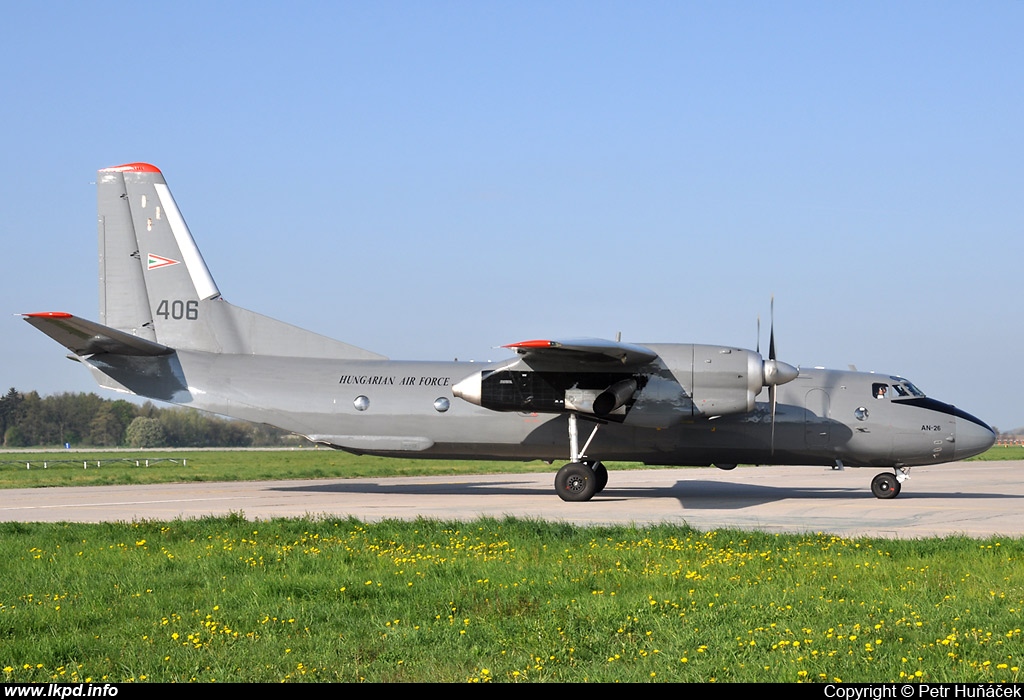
433, 179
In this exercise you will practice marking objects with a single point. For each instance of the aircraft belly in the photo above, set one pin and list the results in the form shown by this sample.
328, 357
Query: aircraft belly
745, 439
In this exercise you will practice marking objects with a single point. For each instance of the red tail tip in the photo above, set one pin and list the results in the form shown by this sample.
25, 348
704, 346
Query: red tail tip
132, 168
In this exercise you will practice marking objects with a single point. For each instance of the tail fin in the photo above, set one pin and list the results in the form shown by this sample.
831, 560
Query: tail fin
155, 284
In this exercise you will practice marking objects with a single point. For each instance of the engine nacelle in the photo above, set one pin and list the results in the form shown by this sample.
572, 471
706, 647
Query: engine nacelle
685, 382
725, 380
704, 381
718, 381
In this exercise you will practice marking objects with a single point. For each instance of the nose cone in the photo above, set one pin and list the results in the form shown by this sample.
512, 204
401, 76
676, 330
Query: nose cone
775, 372
469, 388
972, 437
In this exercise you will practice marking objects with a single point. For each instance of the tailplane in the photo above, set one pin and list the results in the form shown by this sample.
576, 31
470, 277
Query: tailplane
155, 285
85, 338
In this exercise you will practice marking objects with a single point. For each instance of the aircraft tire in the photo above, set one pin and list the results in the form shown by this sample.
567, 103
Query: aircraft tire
725, 467
601, 475
885, 485
575, 482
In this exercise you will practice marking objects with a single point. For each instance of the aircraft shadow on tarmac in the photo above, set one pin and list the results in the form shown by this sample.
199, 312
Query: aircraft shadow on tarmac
691, 494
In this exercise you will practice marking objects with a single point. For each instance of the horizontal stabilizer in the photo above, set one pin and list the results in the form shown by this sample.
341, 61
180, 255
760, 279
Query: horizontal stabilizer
88, 338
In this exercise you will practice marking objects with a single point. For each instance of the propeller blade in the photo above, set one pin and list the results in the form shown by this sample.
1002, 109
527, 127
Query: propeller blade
775, 373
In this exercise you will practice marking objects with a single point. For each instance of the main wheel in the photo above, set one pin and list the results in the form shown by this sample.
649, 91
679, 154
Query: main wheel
600, 475
575, 482
725, 467
885, 485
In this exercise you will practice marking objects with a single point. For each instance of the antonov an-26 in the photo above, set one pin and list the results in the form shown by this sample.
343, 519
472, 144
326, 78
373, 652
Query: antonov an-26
165, 333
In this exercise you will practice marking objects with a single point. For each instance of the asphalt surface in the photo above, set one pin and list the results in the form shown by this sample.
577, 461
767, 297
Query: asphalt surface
978, 499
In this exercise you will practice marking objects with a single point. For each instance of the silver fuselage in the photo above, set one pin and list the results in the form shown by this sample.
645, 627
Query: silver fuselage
823, 416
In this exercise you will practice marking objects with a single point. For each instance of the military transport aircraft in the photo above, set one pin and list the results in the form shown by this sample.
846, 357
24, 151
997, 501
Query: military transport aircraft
165, 333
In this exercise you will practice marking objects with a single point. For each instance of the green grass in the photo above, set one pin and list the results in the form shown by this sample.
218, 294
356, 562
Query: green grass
999, 453
339, 600
65, 468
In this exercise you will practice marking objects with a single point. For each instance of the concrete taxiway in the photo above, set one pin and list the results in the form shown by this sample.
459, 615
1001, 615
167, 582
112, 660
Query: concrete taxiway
978, 499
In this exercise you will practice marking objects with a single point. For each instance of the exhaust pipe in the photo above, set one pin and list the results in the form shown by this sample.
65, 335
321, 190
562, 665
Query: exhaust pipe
614, 397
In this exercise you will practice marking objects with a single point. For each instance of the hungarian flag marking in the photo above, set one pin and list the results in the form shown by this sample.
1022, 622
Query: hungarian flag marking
156, 261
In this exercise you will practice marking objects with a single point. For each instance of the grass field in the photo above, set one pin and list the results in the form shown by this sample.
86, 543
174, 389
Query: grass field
22, 470
508, 601
86, 468
339, 600
1000, 453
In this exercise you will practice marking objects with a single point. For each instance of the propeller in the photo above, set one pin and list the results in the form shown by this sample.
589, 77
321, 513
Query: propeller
773, 371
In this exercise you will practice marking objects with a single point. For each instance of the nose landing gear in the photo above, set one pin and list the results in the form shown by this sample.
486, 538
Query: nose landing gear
886, 485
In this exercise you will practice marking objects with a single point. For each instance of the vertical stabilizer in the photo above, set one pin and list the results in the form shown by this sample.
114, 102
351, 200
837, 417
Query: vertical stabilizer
155, 284
175, 275
124, 302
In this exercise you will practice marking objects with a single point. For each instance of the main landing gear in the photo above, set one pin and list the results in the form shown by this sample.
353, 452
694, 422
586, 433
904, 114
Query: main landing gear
581, 478
886, 485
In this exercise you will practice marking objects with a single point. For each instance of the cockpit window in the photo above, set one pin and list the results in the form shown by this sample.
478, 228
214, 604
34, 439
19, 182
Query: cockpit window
899, 389
902, 389
913, 389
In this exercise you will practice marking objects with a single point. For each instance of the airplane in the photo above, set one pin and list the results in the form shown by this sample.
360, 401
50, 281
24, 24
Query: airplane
166, 333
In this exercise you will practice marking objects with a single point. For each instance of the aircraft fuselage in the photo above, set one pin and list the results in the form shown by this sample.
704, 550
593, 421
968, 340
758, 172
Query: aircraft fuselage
387, 407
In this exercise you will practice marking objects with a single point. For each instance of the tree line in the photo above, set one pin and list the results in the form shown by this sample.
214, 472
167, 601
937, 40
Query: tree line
31, 420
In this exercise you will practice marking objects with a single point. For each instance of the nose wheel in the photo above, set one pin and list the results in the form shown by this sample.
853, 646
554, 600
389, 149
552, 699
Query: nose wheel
885, 485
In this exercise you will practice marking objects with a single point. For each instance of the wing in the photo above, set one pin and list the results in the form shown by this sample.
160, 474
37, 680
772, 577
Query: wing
88, 338
596, 351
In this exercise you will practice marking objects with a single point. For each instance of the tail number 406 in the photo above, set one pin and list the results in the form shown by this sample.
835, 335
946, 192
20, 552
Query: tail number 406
178, 309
